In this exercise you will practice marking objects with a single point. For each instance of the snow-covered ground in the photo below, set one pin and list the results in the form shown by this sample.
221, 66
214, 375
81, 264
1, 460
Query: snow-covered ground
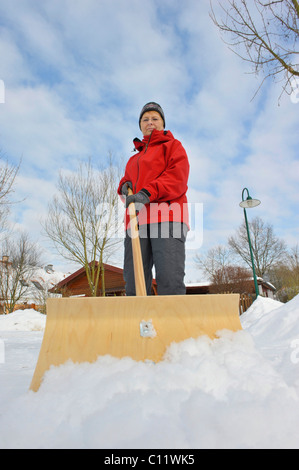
238, 391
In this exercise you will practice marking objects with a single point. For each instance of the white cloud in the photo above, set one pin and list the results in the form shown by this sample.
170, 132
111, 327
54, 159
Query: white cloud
36, 127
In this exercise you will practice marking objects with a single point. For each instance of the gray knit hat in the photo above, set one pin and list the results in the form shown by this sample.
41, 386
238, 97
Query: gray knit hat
152, 106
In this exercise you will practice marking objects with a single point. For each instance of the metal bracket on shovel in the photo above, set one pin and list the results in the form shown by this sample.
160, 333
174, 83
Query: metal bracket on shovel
147, 329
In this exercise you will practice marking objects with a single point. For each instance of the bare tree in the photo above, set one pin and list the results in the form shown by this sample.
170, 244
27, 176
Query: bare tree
83, 219
285, 276
8, 173
268, 250
214, 261
20, 257
265, 34
231, 279
223, 275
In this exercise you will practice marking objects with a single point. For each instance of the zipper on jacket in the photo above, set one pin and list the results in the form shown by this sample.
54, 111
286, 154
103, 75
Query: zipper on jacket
144, 152
149, 140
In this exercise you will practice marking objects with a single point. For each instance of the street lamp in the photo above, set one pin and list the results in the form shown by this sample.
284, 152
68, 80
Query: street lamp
248, 203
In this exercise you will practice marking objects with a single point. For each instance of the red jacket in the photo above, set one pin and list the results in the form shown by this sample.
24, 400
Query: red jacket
161, 169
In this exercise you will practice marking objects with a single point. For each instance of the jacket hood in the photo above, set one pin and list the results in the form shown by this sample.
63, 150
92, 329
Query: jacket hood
156, 137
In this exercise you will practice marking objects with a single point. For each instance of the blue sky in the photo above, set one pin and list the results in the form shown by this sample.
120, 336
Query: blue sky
76, 75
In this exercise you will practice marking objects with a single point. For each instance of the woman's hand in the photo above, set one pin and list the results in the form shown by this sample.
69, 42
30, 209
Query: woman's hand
140, 199
125, 186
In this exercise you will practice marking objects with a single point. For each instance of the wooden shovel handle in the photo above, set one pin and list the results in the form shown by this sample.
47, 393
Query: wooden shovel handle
137, 257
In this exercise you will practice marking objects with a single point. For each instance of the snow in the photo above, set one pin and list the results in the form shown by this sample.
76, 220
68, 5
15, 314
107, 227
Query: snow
23, 320
240, 390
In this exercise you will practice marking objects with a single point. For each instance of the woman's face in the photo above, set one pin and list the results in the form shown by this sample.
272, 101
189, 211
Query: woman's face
151, 120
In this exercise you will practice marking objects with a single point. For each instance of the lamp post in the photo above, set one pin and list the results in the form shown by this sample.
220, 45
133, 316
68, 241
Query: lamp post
248, 203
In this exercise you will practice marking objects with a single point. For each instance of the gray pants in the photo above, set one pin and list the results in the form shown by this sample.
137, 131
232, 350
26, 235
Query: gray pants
163, 246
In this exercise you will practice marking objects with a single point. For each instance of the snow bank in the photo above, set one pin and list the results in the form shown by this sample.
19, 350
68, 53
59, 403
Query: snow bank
240, 390
260, 307
23, 320
272, 321
276, 334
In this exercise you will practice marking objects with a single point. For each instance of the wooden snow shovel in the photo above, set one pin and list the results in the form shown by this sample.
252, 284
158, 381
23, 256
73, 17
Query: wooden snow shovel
141, 327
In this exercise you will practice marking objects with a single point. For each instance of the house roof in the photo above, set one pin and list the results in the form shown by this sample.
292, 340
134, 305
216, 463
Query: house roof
81, 271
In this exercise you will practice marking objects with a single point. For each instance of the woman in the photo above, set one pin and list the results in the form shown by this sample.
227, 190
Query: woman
158, 175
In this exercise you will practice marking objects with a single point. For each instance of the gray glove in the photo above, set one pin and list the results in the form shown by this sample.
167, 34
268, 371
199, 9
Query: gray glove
125, 186
139, 199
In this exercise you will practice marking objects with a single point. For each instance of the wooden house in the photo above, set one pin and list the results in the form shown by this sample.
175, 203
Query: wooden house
77, 284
